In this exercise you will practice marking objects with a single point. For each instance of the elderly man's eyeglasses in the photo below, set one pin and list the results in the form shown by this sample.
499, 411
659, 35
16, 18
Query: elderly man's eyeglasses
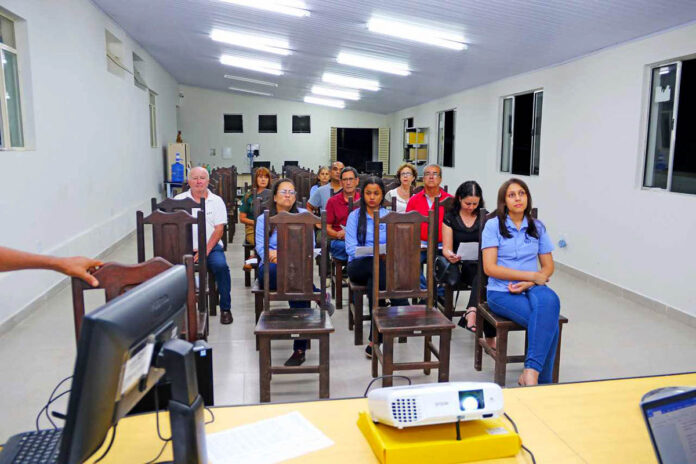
286, 192
431, 174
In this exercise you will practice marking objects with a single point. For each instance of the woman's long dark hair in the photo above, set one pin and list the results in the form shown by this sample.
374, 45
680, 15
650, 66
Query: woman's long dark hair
362, 214
470, 188
272, 208
502, 210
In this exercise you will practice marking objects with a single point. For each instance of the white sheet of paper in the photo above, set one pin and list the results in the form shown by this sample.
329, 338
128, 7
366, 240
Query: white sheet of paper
317, 252
468, 251
267, 441
367, 250
252, 261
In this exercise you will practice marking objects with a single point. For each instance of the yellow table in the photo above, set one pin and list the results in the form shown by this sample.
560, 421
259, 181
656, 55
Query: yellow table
581, 422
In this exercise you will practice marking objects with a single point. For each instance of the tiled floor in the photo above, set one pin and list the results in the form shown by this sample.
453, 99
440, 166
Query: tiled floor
607, 336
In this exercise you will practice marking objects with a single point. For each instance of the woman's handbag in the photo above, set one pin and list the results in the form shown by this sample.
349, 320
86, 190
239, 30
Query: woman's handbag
446, 272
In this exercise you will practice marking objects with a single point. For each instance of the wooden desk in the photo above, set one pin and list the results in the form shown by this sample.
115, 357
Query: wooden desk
597, 422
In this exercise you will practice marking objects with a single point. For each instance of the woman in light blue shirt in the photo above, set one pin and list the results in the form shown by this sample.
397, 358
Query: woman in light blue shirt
284, 196
512, 242
360, 232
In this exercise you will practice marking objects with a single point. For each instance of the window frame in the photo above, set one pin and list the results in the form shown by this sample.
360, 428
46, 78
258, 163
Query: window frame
292, 123
267, 131
241, 118
5, 133
152, 106
536, 138
441, 137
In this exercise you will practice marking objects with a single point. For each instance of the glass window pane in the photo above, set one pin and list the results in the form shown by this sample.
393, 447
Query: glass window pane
660, 127
12, 98
536, 142
684, 164
507, 135
7, 35
440, 137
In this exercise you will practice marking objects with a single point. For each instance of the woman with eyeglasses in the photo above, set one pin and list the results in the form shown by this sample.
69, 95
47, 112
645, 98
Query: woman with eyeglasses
283, 199
323, 177
262, 178
461, 225
360, 230
512, 243
407, 175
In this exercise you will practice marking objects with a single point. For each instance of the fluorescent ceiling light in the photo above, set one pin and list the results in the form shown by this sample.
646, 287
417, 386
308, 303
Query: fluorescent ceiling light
350, 82
367, 62
328, 92
325, 101
288, 7
268, 67
251, 91
255, 42
252, 81
417, 33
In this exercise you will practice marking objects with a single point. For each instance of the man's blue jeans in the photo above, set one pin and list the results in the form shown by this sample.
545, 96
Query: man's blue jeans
272, 274
338, 249
217, 264
537, 309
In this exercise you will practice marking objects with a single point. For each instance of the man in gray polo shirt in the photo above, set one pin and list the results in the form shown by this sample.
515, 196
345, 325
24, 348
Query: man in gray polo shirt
321, 195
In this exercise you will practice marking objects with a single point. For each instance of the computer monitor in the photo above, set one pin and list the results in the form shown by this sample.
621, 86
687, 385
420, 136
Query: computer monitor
670, 414
117, 360
264, 164
374, 168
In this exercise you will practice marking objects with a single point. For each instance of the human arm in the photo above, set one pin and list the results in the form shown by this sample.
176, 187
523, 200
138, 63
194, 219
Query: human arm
351, 236
492, 269
245, 210
331, 219
245, 220
77, 266
547, 268
447, 244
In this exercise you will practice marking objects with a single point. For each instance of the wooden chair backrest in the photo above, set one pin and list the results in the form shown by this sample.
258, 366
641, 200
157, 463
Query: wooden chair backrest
116, 279
484, 216
402, 260
295, 258
170, 205
171, 235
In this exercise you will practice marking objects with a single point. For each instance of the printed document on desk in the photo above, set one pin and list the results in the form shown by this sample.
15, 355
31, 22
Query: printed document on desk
468, 251
267, 441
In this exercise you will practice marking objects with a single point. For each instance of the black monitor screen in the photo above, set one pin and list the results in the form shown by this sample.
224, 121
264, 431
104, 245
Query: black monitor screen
233, 123
301, 125
115, 356
268, 123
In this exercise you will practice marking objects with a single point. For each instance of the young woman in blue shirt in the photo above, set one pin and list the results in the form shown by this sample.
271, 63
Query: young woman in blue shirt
360, 229
513, 244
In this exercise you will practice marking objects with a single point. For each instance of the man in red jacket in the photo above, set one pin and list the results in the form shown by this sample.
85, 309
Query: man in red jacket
424, 202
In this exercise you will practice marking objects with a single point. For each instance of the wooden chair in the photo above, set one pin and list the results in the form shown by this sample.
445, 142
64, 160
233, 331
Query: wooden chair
115, 279
295, 273
502, 325
356, 295
172, 239
402, 263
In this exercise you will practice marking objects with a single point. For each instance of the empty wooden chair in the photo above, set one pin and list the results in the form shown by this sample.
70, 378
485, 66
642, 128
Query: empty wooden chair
115, 279
295, 272
402, 264
502, 325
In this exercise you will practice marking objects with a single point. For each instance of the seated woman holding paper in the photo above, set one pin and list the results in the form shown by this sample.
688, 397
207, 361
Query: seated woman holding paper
512, 243
461, 225
360, 230
283, 199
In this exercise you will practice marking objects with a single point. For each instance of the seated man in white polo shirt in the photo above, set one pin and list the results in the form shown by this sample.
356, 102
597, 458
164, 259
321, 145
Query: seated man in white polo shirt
215, 220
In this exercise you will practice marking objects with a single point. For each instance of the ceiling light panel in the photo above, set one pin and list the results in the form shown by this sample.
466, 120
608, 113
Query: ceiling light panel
255, 92
351, 82
329, 92
288, 7
325, 101
253, 41
268, 67
252, 81
417, 33
367, 62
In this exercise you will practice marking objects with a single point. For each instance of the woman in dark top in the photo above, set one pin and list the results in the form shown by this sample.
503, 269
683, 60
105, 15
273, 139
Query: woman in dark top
461, 224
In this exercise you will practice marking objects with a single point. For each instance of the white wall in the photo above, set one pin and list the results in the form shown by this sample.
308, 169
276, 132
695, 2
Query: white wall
589, 187
90, 166
201, 115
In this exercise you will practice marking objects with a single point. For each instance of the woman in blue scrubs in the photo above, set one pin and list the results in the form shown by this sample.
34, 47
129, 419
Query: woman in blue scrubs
514, 244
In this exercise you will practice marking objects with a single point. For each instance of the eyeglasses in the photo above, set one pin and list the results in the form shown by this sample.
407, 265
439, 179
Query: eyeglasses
520, 194
431, 174
406, 174
286, 192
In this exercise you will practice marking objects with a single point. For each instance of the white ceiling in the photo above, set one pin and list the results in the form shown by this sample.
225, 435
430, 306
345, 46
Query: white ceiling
505, 37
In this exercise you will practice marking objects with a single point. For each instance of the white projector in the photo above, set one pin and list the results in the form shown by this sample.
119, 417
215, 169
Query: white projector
437, 403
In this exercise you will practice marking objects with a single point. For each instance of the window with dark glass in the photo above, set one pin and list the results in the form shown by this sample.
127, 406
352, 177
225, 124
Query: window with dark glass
521, 137
301, 125
233, 124
268, 123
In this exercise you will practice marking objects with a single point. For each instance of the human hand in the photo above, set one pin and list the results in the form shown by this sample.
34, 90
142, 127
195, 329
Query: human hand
519, 287
341, 234
273, 256
540, 278
452, 258
195, 257
79, 266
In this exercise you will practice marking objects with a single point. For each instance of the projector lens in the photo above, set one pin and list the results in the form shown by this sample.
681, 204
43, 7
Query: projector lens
471, 400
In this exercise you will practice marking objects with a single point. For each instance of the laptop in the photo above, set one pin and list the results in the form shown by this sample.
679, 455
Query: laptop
670, 414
